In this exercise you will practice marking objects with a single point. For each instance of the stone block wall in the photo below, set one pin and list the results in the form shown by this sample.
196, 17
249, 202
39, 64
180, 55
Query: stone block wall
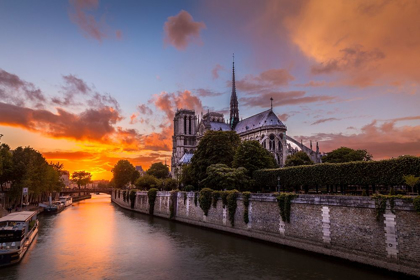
341, 226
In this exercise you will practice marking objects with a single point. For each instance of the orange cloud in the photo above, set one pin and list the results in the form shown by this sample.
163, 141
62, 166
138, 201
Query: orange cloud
283, 98
180, 30
79, 14
215, 71
266, 80
381, 140
365, 42
169, 103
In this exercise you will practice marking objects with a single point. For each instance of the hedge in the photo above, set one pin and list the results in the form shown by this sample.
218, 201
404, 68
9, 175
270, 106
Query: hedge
383, 172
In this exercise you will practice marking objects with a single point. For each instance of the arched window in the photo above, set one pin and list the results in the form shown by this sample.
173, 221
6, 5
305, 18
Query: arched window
189, 128
272, 143
280, 147
185, 124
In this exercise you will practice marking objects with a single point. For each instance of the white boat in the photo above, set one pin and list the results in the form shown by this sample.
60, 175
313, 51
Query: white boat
17, 231
66, 200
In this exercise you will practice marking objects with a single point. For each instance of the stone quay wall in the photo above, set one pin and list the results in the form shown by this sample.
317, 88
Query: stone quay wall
339, 226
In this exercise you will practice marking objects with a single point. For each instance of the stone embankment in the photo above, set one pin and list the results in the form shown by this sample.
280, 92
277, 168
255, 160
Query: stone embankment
339, 226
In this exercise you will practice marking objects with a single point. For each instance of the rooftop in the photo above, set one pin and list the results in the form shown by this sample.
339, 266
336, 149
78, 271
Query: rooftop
18, 216
266, 118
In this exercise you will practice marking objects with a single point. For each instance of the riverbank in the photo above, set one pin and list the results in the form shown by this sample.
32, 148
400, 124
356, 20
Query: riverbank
82, 197
339, 226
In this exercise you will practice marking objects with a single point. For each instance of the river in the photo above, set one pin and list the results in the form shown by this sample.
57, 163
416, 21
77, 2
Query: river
95, 239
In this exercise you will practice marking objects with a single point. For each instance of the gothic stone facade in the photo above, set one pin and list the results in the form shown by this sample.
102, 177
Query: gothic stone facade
264, 127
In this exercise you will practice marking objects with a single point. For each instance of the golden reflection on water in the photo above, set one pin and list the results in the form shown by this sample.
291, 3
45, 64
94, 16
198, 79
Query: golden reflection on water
85, 235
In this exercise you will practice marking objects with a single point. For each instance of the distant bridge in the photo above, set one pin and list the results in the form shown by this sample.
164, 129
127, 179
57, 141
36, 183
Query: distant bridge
101, 190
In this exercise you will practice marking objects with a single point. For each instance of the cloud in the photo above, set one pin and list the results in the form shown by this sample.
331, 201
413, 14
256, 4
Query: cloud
383, 140
215, 71
206, 92
119, 34
143, 109
325, 120
266, 80
365, 43
80, 13
284, 117
282, 99
181, 30
169, 103
19, 92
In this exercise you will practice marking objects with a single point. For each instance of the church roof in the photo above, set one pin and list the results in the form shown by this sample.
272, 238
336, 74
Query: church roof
216, 126
266, 118
186, 158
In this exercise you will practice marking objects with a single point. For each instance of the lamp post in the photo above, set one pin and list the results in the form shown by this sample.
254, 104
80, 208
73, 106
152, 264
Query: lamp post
278, 184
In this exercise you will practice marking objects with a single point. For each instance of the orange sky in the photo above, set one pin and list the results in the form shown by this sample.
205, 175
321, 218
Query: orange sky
87, 83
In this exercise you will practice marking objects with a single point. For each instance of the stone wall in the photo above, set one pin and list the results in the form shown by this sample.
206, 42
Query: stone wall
340, 226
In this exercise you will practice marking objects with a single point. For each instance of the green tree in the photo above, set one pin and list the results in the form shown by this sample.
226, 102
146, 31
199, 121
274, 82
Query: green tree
215, 147
31, 170
170, 184
300, 158
222, 177
6, 165
252, 156
159, 170
81, 178
186, 175
147, 182
411, 180
134, 177
345, 154
123, 173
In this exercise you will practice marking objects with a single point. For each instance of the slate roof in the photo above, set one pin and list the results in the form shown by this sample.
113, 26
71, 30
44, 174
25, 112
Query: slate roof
186, 158
266, 118
219, 126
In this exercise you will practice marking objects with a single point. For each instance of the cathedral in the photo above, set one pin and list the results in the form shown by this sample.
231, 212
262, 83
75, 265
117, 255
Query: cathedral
264, 127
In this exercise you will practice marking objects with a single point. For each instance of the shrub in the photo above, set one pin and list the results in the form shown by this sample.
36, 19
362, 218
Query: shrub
224, 195
172, 203
383, 172
195, 198
152, 193
216, 195
416, 203
232, 204
133, 198
284, 203
245, 197
205, 200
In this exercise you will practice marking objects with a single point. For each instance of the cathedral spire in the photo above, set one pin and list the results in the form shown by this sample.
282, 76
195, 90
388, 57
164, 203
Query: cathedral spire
234, 110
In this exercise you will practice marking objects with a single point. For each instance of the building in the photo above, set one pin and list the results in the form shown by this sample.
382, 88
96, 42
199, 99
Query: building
140, 170
264, 127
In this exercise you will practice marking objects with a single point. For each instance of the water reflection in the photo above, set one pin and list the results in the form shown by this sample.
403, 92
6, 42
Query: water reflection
95, 239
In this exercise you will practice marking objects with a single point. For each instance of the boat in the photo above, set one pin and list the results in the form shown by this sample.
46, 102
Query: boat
66, 200
17, 231
54, 207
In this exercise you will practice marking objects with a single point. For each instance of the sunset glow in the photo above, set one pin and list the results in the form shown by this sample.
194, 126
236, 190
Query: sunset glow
90, 82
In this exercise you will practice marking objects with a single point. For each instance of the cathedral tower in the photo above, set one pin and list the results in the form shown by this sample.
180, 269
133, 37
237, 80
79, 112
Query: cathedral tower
234, 110
184, 138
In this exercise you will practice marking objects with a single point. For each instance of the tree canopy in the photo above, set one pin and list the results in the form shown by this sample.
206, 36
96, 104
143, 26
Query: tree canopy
29, 169
147, 182
81, 178
221, 177
252, 156
123, 173
159, 170
300, 158
6, 164
216, 147
345, 154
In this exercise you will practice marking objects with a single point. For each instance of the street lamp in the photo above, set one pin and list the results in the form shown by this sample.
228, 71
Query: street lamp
278, 183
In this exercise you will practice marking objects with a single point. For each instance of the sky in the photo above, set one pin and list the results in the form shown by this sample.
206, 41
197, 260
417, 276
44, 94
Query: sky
90, 82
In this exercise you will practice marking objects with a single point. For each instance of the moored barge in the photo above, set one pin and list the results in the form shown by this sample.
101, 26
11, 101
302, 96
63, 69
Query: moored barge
17, 231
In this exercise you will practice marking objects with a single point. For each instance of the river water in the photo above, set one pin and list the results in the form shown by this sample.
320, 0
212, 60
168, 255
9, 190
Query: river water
95, 239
